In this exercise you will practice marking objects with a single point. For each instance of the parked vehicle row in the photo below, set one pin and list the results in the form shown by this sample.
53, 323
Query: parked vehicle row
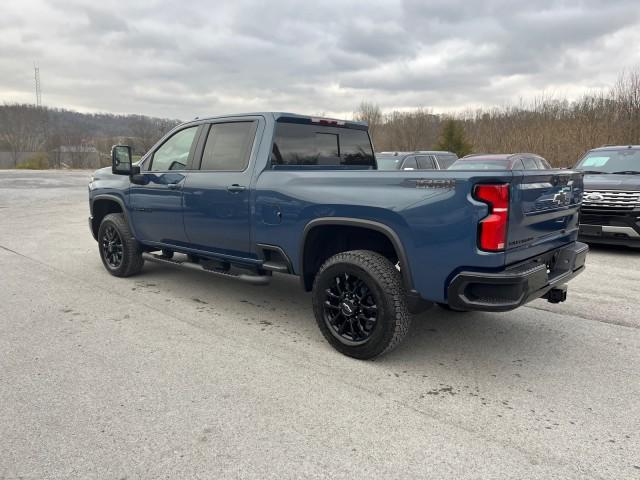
245, 196
441, 160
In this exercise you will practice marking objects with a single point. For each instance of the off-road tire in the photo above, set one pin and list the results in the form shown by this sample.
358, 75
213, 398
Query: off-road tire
132, 260
385, 282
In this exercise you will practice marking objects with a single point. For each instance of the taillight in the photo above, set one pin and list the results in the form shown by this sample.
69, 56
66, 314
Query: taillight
492, 230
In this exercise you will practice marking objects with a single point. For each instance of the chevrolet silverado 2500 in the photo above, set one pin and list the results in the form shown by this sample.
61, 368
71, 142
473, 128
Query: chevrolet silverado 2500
245, 196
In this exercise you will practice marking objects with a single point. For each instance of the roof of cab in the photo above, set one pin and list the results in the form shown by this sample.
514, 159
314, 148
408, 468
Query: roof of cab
276, 116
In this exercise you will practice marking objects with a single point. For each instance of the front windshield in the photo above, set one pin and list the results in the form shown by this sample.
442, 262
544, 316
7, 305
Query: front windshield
610, 161
388, 162
479, 165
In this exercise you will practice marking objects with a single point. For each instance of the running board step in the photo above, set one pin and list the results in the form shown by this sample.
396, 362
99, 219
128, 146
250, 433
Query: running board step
276, 267
243, 277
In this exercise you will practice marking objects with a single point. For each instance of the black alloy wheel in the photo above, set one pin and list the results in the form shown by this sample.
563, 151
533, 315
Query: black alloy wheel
119, 251
359, 303
350, 309
112, 249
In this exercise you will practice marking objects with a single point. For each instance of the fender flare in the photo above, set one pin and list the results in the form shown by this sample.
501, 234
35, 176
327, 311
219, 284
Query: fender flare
387, 231
119, 201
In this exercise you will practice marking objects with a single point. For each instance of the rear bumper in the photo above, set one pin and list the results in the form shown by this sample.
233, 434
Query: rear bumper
519, 283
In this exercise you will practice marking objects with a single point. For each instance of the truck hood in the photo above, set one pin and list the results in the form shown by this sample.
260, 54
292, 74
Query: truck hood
605, 181
103, 172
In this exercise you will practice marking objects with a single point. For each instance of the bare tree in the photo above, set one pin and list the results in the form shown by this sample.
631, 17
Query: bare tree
559, 130
22, 128
370, 113
147, 131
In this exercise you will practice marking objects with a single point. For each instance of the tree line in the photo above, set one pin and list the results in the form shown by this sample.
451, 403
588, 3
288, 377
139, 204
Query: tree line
558, 129
44, 131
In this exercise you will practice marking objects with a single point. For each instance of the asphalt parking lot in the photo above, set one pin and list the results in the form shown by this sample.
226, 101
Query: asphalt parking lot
176, 374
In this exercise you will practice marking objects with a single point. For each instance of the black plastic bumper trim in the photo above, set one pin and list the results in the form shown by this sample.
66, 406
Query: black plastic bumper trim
517, 284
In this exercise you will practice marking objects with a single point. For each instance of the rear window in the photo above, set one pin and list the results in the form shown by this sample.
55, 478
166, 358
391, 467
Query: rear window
388, 162
445, 161
308, 145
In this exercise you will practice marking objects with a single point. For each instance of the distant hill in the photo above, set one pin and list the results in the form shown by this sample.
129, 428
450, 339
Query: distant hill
27, 128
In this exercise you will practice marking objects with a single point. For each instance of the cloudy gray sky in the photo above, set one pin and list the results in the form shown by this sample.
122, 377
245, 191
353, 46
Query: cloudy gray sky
194, 57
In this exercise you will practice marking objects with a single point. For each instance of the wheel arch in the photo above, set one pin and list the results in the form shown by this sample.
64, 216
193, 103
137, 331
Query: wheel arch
306, 271
104, 204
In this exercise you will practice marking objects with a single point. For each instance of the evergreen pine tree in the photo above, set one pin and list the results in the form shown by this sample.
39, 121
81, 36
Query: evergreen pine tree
452, 139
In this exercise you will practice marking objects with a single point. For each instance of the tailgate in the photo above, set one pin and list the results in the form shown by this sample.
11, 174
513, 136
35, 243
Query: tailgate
543, 212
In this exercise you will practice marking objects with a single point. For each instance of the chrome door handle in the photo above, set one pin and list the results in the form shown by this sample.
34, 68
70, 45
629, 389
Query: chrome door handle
174, 186
235, 188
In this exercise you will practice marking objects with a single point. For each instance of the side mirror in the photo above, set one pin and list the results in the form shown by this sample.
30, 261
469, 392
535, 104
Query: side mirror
121, 160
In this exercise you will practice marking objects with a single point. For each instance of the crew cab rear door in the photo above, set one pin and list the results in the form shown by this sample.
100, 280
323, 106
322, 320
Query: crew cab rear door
543, 213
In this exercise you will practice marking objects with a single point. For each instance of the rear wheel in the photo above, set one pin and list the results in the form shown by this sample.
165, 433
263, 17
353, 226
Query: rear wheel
119, 251
359, 304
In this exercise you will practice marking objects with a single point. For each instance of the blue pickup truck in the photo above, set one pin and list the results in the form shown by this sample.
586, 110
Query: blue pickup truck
245, 196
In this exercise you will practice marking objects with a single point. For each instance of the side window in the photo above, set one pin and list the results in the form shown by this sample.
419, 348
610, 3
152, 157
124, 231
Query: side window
173, 154
426, 162
410, 162
228, 146
518, 165
530, 163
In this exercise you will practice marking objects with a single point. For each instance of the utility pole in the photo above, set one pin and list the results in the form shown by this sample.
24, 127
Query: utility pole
38, 91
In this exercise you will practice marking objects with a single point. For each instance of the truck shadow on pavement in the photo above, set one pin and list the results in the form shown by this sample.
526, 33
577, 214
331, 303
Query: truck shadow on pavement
436, 336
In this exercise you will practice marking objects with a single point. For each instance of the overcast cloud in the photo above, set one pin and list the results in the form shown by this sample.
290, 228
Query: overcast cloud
191, 58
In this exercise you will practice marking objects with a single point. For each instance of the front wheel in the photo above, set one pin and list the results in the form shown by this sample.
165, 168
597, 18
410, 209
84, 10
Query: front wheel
119, 251
359, 304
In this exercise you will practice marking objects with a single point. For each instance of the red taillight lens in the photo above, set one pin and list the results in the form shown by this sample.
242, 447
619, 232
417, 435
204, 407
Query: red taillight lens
492, 230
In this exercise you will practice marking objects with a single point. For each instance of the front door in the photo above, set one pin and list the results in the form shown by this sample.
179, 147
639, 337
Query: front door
156, 198
217, 195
